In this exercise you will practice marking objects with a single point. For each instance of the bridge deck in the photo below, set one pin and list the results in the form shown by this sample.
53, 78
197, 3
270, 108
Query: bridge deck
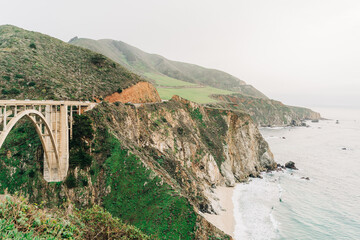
44, 102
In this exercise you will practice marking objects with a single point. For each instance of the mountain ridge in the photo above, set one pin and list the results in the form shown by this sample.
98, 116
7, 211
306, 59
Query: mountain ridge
37, 66
154, 66
241, 97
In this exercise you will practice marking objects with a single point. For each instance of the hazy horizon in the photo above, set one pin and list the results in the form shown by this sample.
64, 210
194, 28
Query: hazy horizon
303, 53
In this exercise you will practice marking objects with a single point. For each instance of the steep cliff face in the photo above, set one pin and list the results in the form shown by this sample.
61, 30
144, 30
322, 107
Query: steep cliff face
266, 111
192, 147
152, 165
142, 92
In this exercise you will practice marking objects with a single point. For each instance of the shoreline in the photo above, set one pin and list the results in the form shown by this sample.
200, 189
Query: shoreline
225, 221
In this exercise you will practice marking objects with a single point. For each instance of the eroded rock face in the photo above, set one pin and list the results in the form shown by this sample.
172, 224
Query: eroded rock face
193, 147
247, 153
141, 92
266, 111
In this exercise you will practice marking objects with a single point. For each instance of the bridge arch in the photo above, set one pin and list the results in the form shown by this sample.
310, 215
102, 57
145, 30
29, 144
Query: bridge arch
50, 148
53, 121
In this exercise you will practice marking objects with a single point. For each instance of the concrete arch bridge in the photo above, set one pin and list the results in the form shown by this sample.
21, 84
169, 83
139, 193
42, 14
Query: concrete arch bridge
53, 121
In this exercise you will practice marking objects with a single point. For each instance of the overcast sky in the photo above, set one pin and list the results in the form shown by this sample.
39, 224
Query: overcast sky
302, 52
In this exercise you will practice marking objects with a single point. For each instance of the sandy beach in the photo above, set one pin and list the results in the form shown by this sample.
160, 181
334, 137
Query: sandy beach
225, 221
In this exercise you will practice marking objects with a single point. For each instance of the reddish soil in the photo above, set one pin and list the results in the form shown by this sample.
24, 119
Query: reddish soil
142, 92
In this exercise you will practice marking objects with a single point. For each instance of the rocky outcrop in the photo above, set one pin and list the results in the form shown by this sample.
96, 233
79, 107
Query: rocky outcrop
185, 148
192, 147
290, 165
266, 112
141, 92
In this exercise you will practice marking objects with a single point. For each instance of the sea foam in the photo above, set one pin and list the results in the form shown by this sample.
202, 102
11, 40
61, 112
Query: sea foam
254, 204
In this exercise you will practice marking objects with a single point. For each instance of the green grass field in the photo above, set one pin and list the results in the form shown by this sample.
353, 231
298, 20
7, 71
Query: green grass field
199, 95
166, 81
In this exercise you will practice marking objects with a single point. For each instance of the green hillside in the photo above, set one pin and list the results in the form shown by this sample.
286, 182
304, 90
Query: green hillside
107, 167
36, 66
198, 84
167, 73
21, 220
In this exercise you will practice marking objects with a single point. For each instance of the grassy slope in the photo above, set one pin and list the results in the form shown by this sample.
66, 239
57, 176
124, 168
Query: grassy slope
198, 94
21, 220
162, 80
144, 201
36, 66
164, 72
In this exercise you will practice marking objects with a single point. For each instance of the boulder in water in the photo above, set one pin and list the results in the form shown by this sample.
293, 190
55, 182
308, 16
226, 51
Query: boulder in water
290, 165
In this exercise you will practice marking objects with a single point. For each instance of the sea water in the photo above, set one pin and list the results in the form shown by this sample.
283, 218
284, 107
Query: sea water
283, 205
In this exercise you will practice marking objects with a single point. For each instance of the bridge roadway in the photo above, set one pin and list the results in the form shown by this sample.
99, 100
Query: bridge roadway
53, 122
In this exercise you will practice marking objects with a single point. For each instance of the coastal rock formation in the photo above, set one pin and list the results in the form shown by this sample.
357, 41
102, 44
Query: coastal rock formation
290, 165
266, 112
198, 147
152, 164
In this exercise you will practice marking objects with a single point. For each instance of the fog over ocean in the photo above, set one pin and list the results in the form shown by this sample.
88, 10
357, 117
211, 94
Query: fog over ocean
284, 206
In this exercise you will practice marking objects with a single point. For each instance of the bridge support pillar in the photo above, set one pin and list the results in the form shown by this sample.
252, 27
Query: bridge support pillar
64, 140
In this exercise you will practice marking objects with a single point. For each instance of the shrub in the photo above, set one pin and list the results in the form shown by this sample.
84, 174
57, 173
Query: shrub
32, 45
196, 114
79, 157
70, 181
19, 76
180, 130
101, 225
119, 90
82, 132
7, 78
98, 60
14, 91
21, 220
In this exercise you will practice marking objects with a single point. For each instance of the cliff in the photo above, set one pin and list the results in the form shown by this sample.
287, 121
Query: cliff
266, 111
151, 164
207, 146
154, 165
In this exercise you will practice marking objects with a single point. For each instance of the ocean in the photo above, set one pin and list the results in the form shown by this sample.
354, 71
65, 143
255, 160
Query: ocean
283, 205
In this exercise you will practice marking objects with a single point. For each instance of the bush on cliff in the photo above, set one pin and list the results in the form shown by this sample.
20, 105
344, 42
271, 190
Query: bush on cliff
21, 220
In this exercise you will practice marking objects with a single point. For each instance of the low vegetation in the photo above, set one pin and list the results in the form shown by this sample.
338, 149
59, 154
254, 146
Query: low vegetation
21, 220
36, 66
163, 80
195, 94
144, 200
